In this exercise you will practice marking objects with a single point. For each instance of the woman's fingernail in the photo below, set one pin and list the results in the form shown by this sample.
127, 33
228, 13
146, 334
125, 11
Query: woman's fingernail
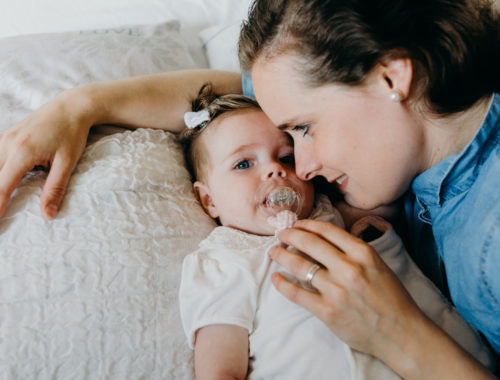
52, 210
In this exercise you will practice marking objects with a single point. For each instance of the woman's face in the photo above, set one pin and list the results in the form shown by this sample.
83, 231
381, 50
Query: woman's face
354, 136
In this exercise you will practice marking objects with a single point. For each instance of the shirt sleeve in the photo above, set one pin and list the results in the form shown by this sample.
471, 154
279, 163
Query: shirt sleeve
246, 84
216, 288
488, 316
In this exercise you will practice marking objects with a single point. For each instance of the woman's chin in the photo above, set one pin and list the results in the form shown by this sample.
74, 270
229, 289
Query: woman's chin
350, 201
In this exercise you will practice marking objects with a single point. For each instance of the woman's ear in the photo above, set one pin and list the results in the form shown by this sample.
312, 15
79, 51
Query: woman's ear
397, 75
202, 192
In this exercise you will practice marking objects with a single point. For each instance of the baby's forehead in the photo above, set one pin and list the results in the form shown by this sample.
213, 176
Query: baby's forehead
244, 129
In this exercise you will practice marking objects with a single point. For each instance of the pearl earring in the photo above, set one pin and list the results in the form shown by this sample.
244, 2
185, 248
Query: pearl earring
396, 95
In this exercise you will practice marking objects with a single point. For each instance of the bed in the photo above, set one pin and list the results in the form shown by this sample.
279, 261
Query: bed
93, 294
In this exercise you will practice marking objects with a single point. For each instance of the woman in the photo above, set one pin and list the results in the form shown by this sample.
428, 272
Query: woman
379, 97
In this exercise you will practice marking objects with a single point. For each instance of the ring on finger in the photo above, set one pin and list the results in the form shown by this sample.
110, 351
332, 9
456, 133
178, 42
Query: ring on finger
311, 272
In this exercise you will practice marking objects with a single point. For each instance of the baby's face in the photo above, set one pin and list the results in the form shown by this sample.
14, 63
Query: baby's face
247, 152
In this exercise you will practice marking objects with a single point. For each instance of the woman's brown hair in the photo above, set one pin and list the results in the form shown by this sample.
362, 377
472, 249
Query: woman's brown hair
454, 44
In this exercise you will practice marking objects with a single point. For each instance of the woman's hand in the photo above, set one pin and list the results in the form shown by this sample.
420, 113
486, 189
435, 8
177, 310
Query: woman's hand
52, 137
358, 295
362, 301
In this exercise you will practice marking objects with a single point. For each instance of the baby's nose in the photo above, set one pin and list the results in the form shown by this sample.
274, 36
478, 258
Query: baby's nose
276, 170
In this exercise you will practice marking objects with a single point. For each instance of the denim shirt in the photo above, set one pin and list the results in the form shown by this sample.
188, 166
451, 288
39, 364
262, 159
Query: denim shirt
246, 84
453, 214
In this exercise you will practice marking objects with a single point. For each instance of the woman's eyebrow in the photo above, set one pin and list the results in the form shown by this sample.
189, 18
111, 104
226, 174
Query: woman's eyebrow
284, 127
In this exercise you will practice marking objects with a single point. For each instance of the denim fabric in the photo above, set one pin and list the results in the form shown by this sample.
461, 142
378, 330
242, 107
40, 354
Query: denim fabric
459, 200
246, 83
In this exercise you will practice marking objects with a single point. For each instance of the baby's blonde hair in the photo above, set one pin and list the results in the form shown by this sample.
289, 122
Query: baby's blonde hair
197, 157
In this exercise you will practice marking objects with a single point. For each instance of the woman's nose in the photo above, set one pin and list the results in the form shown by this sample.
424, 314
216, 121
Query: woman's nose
306, 167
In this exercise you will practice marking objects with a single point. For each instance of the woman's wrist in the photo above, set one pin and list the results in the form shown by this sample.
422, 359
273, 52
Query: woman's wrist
81, 106
421, 350
398, 342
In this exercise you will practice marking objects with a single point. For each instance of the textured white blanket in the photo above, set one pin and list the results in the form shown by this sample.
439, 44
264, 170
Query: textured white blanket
93, 294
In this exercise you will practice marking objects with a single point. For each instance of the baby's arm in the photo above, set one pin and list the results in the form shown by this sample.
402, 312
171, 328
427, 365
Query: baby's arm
221, 352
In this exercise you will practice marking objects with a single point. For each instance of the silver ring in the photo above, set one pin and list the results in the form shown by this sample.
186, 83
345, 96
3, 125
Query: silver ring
310, 274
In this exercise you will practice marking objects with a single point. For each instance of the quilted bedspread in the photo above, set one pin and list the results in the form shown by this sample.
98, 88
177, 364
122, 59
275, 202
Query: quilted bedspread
93, 293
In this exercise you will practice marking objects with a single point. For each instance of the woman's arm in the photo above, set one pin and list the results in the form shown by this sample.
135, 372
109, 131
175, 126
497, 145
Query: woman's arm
155, 101
361, 300
221, 352
54, 136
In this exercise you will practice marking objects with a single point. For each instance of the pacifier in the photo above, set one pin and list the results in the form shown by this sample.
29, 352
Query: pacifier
282, 203
284, 198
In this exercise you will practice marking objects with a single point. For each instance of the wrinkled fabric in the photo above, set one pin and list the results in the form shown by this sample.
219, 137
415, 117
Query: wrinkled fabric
93, 293
454, 208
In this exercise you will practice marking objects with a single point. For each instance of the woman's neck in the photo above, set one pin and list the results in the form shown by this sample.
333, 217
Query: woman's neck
450, 134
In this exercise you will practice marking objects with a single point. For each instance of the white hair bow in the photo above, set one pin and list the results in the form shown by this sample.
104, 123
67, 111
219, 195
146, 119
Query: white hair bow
195, 119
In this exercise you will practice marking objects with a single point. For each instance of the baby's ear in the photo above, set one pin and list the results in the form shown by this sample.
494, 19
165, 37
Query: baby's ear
202, 192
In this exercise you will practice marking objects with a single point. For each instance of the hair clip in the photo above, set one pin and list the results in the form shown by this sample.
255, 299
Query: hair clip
196, 119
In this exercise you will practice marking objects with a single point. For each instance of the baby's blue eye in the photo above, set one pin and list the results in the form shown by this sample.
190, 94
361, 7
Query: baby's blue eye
302, 127
245, 164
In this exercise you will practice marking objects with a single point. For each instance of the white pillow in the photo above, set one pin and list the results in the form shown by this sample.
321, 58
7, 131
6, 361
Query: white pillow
93, 293
35, 68
42, 16
221, 46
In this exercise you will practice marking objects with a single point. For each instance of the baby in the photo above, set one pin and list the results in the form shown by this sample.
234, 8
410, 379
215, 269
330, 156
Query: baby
237, 322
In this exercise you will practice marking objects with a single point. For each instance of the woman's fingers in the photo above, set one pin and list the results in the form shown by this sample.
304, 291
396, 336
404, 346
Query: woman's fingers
340, 310
308, 300
53, 136
319, 248
55, 186
296, 264
326, 235
10, 175
19, 159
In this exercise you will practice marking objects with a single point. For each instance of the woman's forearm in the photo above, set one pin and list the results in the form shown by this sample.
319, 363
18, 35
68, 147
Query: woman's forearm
422, 350
154, 101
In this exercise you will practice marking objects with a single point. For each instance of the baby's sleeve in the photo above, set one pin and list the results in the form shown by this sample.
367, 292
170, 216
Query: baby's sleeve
216, 288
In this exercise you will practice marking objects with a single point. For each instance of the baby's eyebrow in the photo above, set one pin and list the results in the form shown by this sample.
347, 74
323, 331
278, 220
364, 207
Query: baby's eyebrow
241, 148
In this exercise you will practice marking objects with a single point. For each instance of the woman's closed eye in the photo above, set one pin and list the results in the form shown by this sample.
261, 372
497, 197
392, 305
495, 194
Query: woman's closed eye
303, 128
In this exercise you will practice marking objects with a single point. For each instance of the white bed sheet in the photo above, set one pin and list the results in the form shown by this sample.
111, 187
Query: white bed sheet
93, 294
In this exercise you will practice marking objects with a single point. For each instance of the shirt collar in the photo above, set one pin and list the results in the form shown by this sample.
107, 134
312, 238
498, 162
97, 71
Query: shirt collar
457, 172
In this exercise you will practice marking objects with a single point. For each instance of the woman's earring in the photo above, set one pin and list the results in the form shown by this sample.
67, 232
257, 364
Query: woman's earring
396, 95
